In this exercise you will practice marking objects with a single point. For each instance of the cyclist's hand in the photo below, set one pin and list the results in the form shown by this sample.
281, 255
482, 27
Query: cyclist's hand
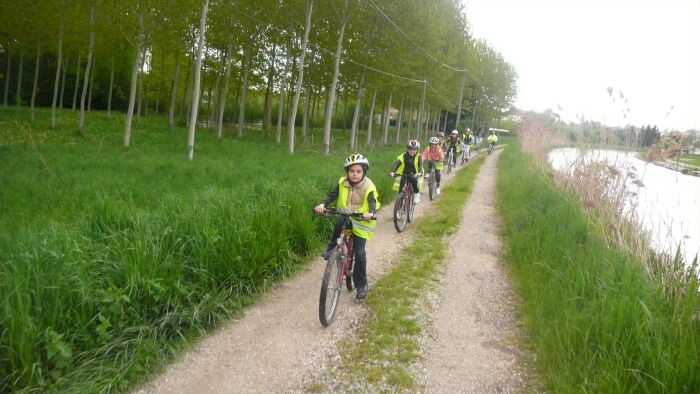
391, 173
367, 216
320, 208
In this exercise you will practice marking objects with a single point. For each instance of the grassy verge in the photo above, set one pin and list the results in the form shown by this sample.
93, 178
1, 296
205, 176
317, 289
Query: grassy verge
387, 346
113, 259
693, 160
596, 321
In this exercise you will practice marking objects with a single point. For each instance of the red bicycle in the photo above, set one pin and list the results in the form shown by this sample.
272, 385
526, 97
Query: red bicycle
338, 267
403, 205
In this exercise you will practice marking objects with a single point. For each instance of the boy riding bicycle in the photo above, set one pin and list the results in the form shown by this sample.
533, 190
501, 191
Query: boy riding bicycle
453, 143
434, 154
356, 193
409, 163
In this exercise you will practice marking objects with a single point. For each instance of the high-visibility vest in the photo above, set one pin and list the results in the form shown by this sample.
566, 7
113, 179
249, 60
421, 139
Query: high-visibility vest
360, 228
399, 171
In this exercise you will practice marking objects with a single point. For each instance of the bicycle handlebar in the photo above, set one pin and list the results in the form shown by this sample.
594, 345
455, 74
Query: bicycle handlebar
334, 211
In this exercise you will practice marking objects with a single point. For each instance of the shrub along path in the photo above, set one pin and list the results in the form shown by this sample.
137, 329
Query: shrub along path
279, 343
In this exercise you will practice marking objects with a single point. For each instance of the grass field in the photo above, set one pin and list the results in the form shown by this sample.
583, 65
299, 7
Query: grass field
596, 321
112, 258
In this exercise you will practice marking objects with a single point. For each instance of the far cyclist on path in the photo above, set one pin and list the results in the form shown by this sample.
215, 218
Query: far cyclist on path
409, 163
435, 154
357, 193
452, 143
492, 138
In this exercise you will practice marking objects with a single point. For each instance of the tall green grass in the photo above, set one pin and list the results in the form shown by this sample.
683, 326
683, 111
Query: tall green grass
596, 321
112, 259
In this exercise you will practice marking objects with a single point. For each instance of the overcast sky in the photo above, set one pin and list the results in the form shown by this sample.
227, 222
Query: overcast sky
568, 52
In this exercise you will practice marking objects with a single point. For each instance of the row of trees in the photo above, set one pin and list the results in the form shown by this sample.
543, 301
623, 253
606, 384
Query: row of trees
278, 58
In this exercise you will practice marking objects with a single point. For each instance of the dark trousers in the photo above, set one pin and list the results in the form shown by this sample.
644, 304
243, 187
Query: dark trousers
359, 271
412, 180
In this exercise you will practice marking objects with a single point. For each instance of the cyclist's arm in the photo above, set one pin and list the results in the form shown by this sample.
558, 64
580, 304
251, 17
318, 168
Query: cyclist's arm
372, 202
332, 195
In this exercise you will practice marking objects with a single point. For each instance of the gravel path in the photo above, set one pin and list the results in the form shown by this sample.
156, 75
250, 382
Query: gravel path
471, 345
279, 345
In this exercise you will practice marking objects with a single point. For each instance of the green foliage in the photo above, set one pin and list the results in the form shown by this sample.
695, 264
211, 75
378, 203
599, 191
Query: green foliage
595, 320
111, 258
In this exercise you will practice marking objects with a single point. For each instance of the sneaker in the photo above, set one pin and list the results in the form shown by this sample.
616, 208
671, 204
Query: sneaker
326, 254
361, 293
416, 198
437, 191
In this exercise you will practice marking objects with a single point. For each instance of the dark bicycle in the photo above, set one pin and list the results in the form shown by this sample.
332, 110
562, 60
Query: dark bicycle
432, 182
465, 154
403, 205
338, 268
450, 159
491, 147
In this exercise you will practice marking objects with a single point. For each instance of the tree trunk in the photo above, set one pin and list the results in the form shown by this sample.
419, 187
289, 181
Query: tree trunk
139, 87
267, 111
159, 80
88, 67
399, 122
197, 73
461, 98
371, 117
385, 132
63, 82
173, 93
184, 108
300, 78
92, 81
59, 62
419, 126
224, 94
7, 79
77, 83
356, 114
134, 78
307, 108
331, 93
244, 88
444, 126
36, 80
283, 87
19, 78
109, 95
410, 119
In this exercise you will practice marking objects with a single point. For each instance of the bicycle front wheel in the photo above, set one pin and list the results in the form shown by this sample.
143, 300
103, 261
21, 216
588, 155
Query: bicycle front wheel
330, 288
400, 213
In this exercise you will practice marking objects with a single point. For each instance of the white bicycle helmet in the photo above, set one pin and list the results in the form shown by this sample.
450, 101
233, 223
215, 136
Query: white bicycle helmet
413, 144
357, 158
434, 140
454, 132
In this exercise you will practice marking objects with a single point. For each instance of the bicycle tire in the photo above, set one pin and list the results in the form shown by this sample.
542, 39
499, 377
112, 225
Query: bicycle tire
400, 214
409, 210
348, 274
449, 163
431, 186
330, 289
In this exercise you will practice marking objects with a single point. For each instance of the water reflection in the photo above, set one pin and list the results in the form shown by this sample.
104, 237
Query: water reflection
667, 202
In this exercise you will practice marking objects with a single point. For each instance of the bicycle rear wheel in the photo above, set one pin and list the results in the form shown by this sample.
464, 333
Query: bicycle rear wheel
348, 274
330, 288
431, 185
400, 213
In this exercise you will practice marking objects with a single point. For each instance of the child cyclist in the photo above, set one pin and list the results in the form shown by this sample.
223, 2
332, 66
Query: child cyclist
434, 154
357, 193
409, 163
454, 144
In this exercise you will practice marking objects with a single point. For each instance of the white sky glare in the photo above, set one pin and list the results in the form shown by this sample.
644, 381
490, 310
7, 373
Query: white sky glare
567, 53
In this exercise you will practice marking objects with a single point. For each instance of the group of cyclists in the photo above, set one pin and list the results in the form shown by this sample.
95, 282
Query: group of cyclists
355, 192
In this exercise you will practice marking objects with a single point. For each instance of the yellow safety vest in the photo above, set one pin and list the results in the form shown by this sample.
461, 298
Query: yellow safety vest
399, 171
360, 228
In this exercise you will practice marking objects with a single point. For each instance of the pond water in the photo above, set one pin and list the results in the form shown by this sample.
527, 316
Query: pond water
667, 203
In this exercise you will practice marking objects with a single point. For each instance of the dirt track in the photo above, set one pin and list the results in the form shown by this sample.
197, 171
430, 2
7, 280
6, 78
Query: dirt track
279, 343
